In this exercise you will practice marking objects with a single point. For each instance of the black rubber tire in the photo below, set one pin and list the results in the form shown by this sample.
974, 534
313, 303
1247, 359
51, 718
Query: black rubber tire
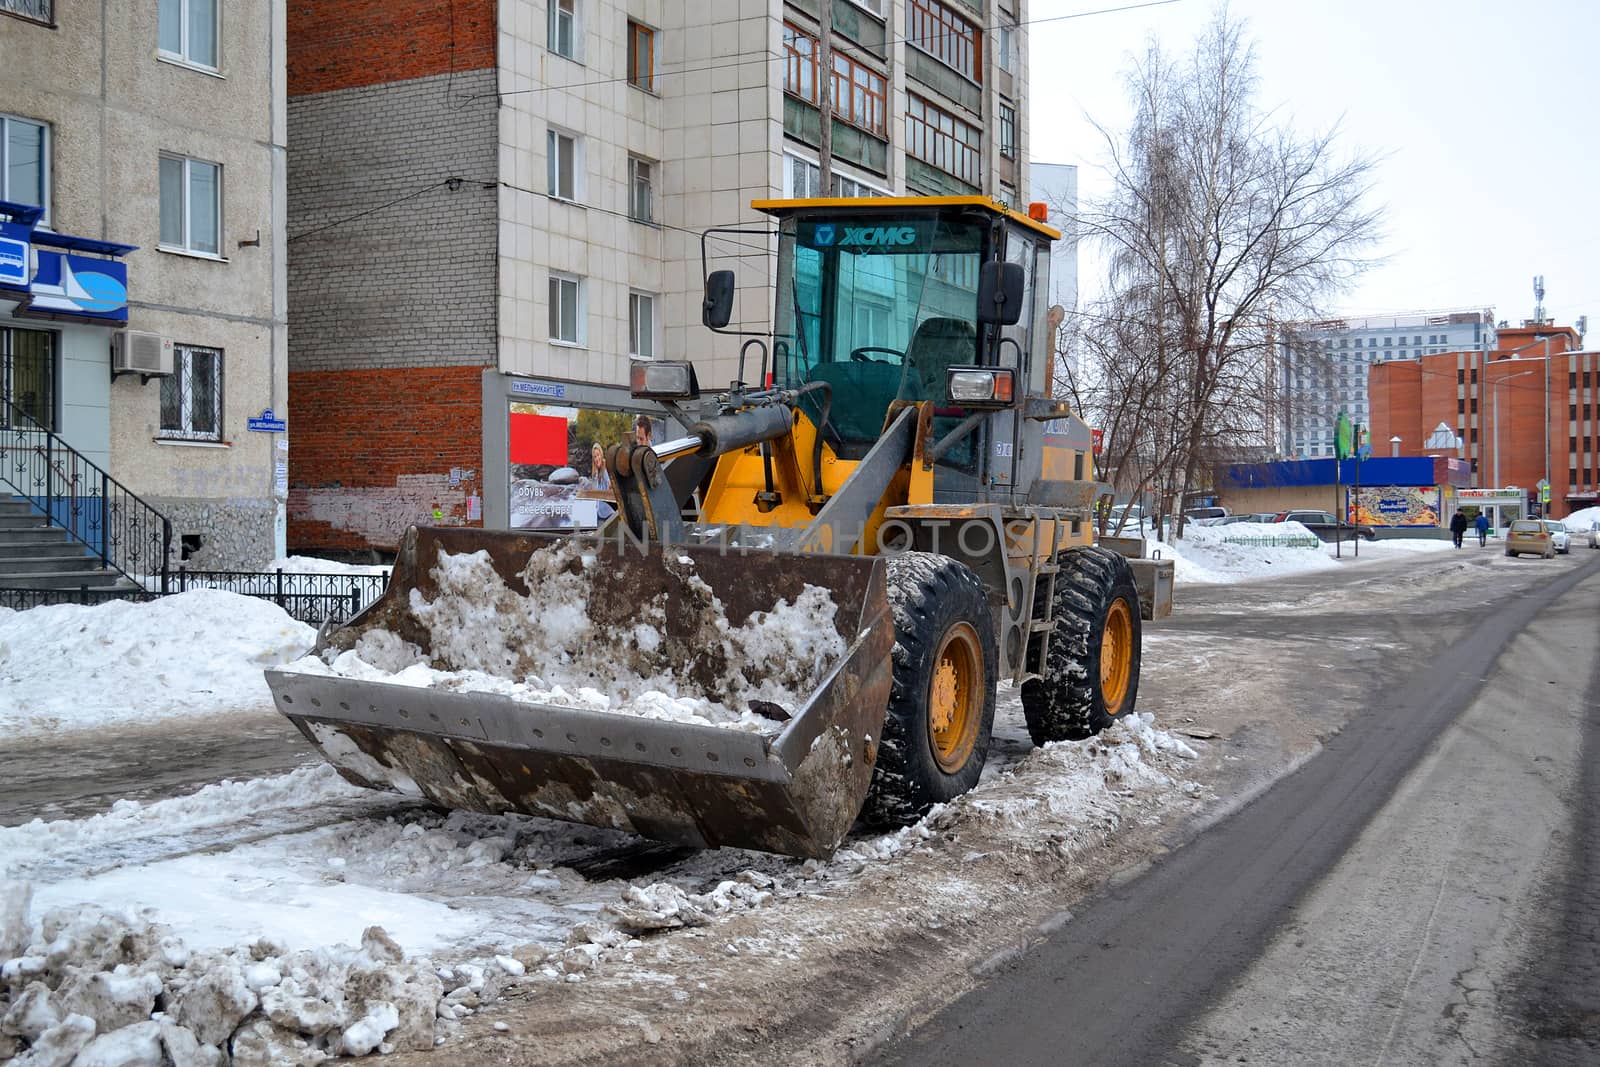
929, 595
1066, 704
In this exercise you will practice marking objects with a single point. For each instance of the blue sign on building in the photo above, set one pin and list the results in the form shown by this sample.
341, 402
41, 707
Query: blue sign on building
61, 276
15, 250
550, 390
266, 422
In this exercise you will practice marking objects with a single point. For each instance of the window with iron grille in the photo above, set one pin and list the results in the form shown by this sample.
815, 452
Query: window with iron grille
860, 94
191, 396
1008, 130
187, 31
641, 56
641, 189
28, 378
191, 205
946, 36
25, 162
938, 138
564, 33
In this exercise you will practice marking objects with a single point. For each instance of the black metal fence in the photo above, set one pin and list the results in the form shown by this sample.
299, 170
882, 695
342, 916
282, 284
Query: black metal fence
311, 598
98, 511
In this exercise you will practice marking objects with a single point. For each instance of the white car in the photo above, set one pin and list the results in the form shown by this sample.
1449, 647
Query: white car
1594, 535
1560, 539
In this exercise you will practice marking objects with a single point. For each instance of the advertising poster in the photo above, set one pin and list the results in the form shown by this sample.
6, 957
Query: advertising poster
557, 465
1398, 505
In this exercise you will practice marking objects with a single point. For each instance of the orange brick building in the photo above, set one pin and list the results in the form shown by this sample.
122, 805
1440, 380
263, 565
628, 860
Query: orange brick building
1527, 407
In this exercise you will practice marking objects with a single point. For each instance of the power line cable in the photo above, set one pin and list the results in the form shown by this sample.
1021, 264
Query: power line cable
456, 180
767, 56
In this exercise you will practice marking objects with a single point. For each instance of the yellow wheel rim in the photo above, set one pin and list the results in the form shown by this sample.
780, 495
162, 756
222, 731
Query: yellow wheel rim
1116, 656
955, 697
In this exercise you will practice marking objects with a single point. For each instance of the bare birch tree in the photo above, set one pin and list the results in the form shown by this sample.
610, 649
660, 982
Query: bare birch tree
1221, 223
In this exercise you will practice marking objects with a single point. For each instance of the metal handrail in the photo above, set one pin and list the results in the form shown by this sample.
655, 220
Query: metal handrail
96, 510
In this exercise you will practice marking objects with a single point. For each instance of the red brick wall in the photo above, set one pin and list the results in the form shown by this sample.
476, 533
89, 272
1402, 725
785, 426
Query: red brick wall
373, 450
1394, 391
341, 44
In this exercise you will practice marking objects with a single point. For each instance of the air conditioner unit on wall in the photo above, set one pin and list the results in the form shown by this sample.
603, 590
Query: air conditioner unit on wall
137, 352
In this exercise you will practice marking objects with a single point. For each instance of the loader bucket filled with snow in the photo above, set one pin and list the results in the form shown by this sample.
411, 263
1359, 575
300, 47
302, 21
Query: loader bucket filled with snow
696, 695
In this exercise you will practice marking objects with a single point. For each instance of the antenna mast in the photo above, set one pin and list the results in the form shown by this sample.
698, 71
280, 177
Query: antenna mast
1538, 298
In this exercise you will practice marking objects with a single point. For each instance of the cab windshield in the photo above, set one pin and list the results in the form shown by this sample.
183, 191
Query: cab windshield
879, 307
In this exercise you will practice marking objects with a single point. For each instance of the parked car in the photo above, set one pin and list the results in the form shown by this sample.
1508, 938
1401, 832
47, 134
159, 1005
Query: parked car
1206, 514
1325, 525
1594, 535
1531, 536
1559, 537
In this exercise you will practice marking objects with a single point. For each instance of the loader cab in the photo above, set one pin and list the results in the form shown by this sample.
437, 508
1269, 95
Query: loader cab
880, 297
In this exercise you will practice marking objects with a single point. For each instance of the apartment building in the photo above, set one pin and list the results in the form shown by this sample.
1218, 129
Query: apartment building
1323, 365
143, 290
1526, 411
495, 211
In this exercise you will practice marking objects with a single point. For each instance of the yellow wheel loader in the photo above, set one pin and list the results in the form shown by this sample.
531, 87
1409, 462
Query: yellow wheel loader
900, 451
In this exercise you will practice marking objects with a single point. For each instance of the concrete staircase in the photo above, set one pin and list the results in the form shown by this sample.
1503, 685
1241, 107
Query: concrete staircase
36, 555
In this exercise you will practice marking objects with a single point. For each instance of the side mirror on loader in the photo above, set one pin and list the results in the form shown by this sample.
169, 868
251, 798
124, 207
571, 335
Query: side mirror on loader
718, 306
1000, 293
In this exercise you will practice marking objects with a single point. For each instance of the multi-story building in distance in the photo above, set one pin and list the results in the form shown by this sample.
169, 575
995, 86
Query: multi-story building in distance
494, 211
1322, 367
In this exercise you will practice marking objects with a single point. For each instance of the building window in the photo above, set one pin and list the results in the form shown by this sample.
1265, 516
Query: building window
1008, 196
937, 137
860, 94
191, 396
1008, 130
641, 56
946, 36
188, 31
564, 28
802, 180
561, 163
566, 309
25, 162
1006, 45
874, 6
28, 378
641, 189
642, 325
191, 205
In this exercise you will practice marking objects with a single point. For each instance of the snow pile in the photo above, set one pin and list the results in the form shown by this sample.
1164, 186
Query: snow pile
69, 667
553, 646
1213, 555
119, 990
1244, 551
1580, 521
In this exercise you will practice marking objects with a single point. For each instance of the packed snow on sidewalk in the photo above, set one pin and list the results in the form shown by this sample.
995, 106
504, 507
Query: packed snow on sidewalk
69, 667
544, 646
141, 929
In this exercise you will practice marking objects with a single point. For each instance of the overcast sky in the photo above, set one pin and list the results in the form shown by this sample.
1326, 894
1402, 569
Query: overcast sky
1486, 111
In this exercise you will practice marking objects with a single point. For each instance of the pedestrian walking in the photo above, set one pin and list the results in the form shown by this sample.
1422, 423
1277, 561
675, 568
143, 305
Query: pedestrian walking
1482, 526
1458, 527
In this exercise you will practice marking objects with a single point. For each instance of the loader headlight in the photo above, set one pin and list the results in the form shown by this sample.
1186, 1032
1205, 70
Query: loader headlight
982, 387
663, 380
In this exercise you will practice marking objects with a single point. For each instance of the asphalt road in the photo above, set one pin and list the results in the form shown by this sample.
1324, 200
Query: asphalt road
1423, 890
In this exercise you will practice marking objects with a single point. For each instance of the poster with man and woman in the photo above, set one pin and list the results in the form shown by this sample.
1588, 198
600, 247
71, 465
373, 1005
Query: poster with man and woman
557, 462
